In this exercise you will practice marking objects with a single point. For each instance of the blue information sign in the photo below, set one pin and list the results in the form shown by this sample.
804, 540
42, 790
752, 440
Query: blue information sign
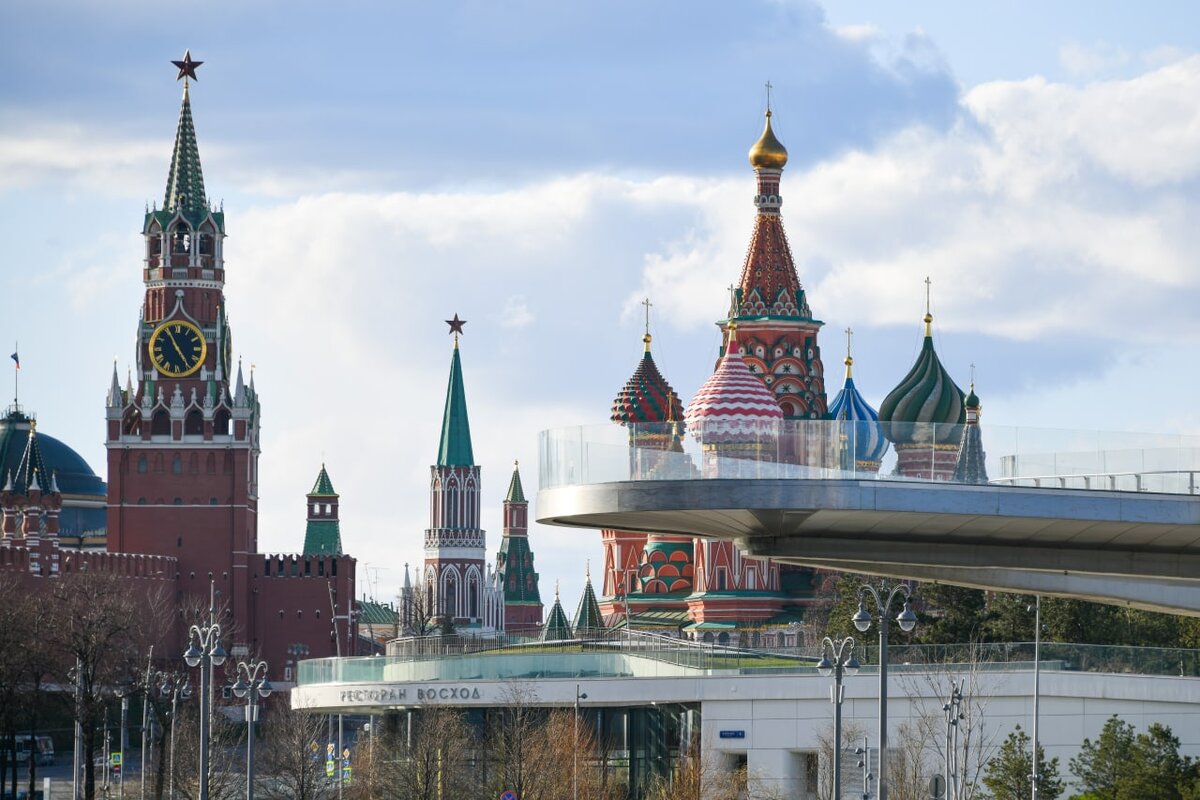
733, 734
509, 795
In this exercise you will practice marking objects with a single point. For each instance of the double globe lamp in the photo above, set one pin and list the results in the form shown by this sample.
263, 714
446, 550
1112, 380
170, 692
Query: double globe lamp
907, 620
844, 663
204, 651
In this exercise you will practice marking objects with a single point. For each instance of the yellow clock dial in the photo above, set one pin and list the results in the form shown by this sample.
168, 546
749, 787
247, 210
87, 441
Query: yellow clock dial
177, 348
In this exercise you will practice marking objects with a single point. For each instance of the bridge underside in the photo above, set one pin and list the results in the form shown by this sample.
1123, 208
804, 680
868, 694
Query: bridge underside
1135, 549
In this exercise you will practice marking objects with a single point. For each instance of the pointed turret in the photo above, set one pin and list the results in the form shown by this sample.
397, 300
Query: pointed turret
455, 544
116, 398
779, 333
588, 619
516, 493
971, 466
515, 574
185, 182
556, 628
323, 534
454, 449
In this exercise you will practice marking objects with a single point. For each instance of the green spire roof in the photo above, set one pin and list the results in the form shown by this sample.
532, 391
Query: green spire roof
323, 534
185, 183
323, 487
588, 619
556, 628
514, 563
455, 447
516, 494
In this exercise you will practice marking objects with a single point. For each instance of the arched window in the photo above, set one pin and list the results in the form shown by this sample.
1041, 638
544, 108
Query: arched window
450, 597
143, 465
177, 465
161, 424
221, 422
181, 239
193, 423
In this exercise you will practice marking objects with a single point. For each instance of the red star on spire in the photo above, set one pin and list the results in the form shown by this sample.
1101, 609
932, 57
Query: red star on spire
456, 324
187, 67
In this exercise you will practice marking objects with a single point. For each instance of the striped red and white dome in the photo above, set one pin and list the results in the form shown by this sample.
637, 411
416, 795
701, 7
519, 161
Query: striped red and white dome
733, 405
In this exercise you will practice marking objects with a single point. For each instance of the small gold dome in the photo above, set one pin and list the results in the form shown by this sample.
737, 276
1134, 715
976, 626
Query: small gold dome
768, 152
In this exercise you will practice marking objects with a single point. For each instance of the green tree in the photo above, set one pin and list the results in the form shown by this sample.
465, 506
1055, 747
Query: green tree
1009, 618
952, 614
1099, 765
1155, 770
1009, 775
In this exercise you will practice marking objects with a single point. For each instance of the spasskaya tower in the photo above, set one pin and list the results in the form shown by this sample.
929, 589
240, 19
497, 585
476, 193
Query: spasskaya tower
183, 443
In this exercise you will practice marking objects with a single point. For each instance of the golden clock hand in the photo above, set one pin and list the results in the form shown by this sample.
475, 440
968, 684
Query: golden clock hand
175, 344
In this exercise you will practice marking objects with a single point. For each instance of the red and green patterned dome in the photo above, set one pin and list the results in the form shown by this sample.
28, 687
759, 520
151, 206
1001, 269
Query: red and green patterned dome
646, 396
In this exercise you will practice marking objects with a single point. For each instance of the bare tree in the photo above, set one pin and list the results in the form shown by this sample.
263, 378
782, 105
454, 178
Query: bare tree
971, 743
96, 625
293, 757
851, 732
700, 777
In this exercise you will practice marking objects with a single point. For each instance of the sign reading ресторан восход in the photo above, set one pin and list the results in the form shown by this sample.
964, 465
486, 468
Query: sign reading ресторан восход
413, 694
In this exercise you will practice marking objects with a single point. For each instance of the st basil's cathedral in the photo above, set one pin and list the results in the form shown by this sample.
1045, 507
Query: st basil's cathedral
768, 382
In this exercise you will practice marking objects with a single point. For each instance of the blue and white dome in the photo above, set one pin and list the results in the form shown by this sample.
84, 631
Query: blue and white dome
864, 434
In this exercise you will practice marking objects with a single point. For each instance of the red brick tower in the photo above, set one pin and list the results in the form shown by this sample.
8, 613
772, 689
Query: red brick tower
776, 330
183, 443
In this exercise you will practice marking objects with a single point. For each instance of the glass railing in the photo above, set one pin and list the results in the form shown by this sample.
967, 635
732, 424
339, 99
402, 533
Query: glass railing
650, 656
831, 449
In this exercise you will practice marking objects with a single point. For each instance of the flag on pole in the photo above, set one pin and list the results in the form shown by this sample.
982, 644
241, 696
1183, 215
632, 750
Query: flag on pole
17, 360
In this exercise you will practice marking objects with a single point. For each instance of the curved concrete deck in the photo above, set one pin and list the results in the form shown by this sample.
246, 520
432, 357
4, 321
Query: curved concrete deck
1117, 547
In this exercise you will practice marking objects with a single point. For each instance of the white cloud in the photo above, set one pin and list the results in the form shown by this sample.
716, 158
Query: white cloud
861, 32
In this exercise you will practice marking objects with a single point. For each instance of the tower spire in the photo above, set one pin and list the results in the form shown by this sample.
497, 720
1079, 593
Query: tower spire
454, 449
849, 357
185, 182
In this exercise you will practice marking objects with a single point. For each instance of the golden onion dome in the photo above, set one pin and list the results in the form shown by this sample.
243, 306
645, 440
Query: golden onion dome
768, 152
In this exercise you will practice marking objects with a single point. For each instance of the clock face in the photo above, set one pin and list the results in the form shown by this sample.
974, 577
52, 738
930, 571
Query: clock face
177, 348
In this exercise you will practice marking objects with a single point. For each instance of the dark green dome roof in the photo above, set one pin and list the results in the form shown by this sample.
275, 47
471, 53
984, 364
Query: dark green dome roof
73, 474
926, 405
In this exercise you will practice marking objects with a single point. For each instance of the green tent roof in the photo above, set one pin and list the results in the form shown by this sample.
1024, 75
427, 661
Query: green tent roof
588, 619
323, 487
556, 628
516, 494
454, 449
185, 182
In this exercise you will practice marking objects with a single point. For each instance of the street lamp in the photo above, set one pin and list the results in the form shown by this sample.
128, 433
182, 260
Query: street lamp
204, 651
843, 662
862, 620
575, 746
251, 684
174, 685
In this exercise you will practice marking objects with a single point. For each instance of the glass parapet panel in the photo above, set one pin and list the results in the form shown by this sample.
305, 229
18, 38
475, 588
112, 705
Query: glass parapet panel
640, 655
833, 449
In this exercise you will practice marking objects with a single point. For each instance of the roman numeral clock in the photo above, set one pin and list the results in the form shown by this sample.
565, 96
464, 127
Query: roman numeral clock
177, 348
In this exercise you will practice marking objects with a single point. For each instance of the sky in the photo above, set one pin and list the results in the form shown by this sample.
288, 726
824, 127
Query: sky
539, 167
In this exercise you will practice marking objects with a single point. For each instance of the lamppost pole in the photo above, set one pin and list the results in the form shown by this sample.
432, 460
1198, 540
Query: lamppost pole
251, 684
146, 714
175, 685
575, 745
1037, 675
842, 663
124, 743
953, 709
204, 651
862, 620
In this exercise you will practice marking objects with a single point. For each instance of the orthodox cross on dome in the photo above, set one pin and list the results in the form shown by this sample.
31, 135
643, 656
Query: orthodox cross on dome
456, 327
769, 88
733, 303
646, 302
187, 68
972, 376
849, 357
928, 306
